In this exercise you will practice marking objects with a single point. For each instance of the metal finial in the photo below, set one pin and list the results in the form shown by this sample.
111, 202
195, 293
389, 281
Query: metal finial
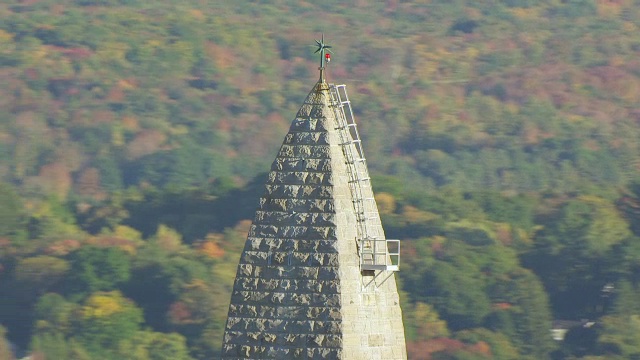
322, 49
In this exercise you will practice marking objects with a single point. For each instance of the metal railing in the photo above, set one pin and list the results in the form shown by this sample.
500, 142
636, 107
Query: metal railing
380, 254
374, 251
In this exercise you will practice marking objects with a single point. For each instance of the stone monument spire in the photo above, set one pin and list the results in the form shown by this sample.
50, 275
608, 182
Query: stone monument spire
315, 279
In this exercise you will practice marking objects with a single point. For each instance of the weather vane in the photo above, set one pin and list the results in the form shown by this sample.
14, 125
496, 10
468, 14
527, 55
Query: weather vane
325, 55
322, 47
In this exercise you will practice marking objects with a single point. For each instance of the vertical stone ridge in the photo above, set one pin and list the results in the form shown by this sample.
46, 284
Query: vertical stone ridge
298, 292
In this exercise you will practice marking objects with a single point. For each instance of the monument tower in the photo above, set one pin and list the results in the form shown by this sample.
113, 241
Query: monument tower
316, 277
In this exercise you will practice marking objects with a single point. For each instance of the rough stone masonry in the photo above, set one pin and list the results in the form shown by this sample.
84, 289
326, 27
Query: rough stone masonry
299, 292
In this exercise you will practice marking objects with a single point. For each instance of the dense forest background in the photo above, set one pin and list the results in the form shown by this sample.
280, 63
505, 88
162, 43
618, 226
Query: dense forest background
502, 136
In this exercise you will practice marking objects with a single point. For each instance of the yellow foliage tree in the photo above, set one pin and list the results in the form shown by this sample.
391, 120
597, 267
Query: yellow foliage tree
386, 203
212, 249
167, 238
428, 322
106, 321
102, 305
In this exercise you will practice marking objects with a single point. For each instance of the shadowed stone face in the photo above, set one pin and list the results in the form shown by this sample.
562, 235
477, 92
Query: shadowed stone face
299, 292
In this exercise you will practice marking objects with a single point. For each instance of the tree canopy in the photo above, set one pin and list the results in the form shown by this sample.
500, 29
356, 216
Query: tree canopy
502, 138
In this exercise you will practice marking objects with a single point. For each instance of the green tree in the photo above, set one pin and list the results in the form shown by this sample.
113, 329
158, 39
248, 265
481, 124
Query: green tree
629, 203
577, 253
98, 269
531, 315
424, 322
53, 313
52, 345
77, 352
105, 321
36, 275
110, 173
148, 345
616, 335
457, 295
12, 214
620, 336
52, 219
149, 286
501, 347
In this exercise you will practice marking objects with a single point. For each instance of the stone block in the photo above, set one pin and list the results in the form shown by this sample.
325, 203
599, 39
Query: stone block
306, 138
296, 205
247, 283
277, 352
288, 285
273, 244
259, 230
303, 123
328, 273
375, 340
318, 178
245, 270
327, 246
319, 112
291, 340
311, 151
265, 311
326, 299
324, 353
230, 351
300, 259
305, 272
255, 296
246, 324
300, 299
299, 191
323, 313
255, 257
267, 284
277, 325
290, 312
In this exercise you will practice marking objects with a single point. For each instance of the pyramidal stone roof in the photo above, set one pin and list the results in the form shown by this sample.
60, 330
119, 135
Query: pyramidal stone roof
299, 291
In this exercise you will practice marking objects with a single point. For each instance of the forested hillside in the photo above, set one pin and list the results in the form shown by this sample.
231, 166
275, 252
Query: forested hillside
502, 136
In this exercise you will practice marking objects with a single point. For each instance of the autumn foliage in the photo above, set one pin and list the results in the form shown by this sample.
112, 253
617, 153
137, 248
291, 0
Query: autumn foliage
502, 138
